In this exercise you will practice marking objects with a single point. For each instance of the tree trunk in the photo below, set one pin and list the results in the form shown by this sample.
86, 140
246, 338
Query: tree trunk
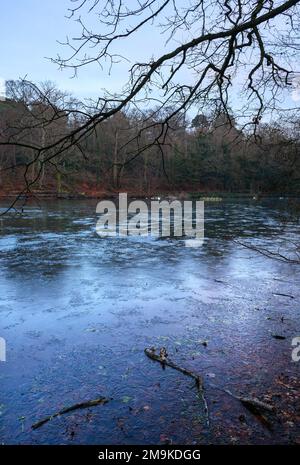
115, 167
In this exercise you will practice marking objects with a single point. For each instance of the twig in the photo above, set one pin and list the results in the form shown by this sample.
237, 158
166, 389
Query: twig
284, 295
253, 405
165, 361
81, 405
248, 402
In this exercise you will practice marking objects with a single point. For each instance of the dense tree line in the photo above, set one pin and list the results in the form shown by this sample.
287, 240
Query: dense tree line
198, 153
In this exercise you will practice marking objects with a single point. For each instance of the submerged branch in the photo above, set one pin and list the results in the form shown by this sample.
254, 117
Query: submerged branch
81, 405
255, 406
162, 358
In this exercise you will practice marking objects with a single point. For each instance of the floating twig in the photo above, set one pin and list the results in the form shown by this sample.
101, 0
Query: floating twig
284, 295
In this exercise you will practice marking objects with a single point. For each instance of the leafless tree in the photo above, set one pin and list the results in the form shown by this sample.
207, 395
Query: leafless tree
215, 53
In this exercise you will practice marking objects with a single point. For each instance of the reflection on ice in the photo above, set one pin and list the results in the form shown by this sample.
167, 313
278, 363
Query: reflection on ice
77, 312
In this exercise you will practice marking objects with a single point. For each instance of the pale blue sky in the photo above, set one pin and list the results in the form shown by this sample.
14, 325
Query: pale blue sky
29, 29
29, 33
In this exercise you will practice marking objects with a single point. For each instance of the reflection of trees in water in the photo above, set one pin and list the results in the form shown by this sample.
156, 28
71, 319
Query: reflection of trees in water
63, 231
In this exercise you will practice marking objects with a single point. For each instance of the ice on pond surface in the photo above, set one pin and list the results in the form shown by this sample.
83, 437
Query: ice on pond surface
77, 312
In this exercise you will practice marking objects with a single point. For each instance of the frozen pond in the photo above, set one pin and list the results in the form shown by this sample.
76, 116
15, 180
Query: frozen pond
77, 312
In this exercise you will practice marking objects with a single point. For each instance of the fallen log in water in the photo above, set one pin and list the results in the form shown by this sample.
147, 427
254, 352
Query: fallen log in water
255, 406
81, 405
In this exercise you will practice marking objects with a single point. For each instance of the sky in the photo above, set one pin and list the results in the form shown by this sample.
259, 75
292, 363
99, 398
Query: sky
29, 30
29, 33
